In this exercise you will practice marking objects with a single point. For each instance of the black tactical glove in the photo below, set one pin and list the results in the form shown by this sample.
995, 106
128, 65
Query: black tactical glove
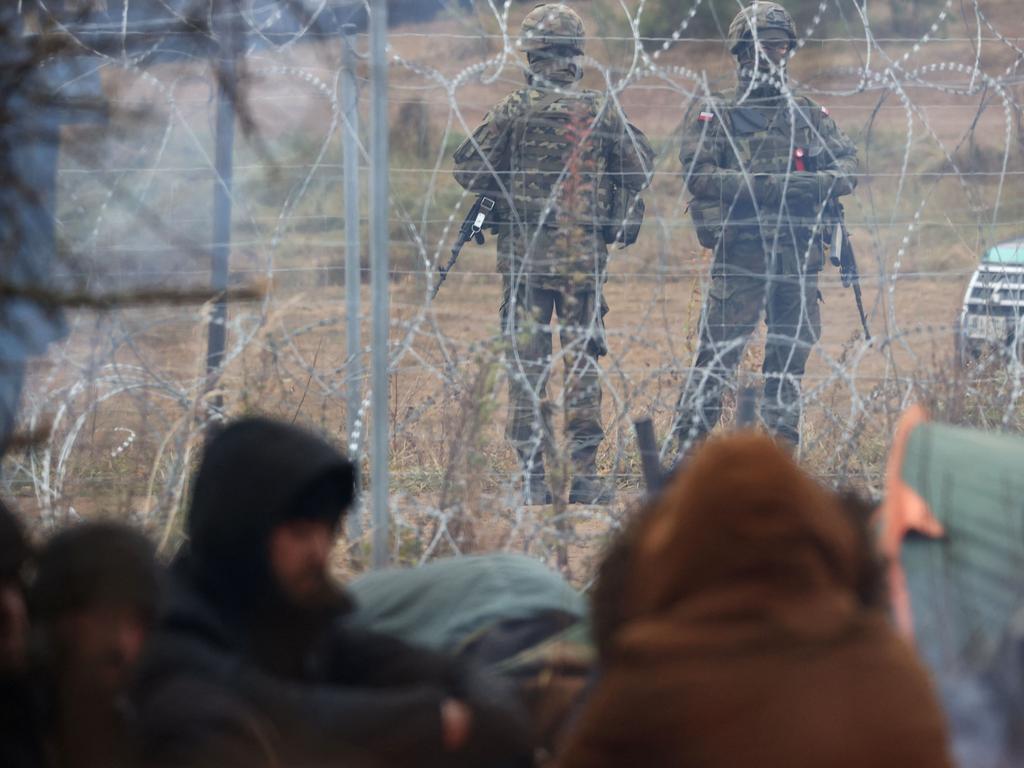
820, 186
805, 189
768, 190
802, 188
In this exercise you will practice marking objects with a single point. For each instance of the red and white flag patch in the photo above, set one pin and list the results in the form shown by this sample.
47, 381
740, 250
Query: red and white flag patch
706, 117
825, 112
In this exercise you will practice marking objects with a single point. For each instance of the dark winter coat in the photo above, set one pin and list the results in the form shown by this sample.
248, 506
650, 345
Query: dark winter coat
235, 675
203, 702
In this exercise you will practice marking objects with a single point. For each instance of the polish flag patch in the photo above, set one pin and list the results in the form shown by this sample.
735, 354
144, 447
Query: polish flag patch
705, 117
825, 112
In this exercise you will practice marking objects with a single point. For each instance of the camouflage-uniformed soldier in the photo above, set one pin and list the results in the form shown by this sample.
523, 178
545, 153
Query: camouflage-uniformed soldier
566, 169
762, 164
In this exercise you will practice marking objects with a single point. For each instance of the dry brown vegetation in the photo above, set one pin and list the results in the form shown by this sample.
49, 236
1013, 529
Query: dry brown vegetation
137, 375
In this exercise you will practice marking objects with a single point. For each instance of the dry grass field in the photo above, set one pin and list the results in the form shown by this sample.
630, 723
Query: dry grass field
125, 393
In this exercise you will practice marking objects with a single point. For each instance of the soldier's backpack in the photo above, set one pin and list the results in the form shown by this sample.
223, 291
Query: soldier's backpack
557, 162
625, 216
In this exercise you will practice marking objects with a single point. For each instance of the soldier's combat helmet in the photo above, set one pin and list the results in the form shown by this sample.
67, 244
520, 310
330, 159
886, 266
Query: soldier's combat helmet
552, 25
760, 16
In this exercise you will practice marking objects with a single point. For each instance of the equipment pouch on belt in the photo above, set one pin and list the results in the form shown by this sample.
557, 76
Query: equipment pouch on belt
708, 220
625, 217
597, 343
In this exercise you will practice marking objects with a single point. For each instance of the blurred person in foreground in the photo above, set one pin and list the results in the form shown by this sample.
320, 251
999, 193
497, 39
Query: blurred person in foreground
253, 663
506, 612
746, 631
566, 169
91, 605
18, 746
15, 555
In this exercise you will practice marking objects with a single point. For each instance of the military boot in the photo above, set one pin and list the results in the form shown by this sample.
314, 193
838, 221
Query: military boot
587, 486
535, 484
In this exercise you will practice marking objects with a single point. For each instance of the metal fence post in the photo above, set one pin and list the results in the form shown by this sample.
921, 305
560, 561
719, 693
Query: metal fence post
353, 276
746, 408
379, 213
227, 92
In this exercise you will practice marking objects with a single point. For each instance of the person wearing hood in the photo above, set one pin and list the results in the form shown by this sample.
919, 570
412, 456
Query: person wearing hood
765, 166
252, 663
565, 169
741, 632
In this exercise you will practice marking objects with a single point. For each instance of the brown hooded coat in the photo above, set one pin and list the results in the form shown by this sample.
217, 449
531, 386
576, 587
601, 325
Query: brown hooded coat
742, 642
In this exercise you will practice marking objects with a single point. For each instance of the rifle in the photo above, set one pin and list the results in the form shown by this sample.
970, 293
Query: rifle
650, 464
471, 229
841, 255
654, 475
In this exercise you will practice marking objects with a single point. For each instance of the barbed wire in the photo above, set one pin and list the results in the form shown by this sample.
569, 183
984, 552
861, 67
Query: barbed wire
936, 118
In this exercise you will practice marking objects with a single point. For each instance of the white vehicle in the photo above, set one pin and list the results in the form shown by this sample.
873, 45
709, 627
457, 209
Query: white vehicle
993, 308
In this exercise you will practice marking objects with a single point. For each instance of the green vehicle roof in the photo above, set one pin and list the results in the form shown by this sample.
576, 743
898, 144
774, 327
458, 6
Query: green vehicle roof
1006, 253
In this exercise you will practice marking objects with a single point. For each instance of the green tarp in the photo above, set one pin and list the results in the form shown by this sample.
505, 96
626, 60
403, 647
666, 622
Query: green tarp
443, 604
965, 588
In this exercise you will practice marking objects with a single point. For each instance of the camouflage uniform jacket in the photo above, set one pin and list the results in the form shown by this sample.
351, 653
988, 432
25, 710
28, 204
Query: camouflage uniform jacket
551, 155
726, 143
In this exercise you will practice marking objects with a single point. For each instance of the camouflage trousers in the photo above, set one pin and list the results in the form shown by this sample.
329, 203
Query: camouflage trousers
526, 326
732, 309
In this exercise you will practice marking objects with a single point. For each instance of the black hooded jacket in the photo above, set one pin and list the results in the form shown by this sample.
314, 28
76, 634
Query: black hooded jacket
202, 700
255, 474
214, 691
